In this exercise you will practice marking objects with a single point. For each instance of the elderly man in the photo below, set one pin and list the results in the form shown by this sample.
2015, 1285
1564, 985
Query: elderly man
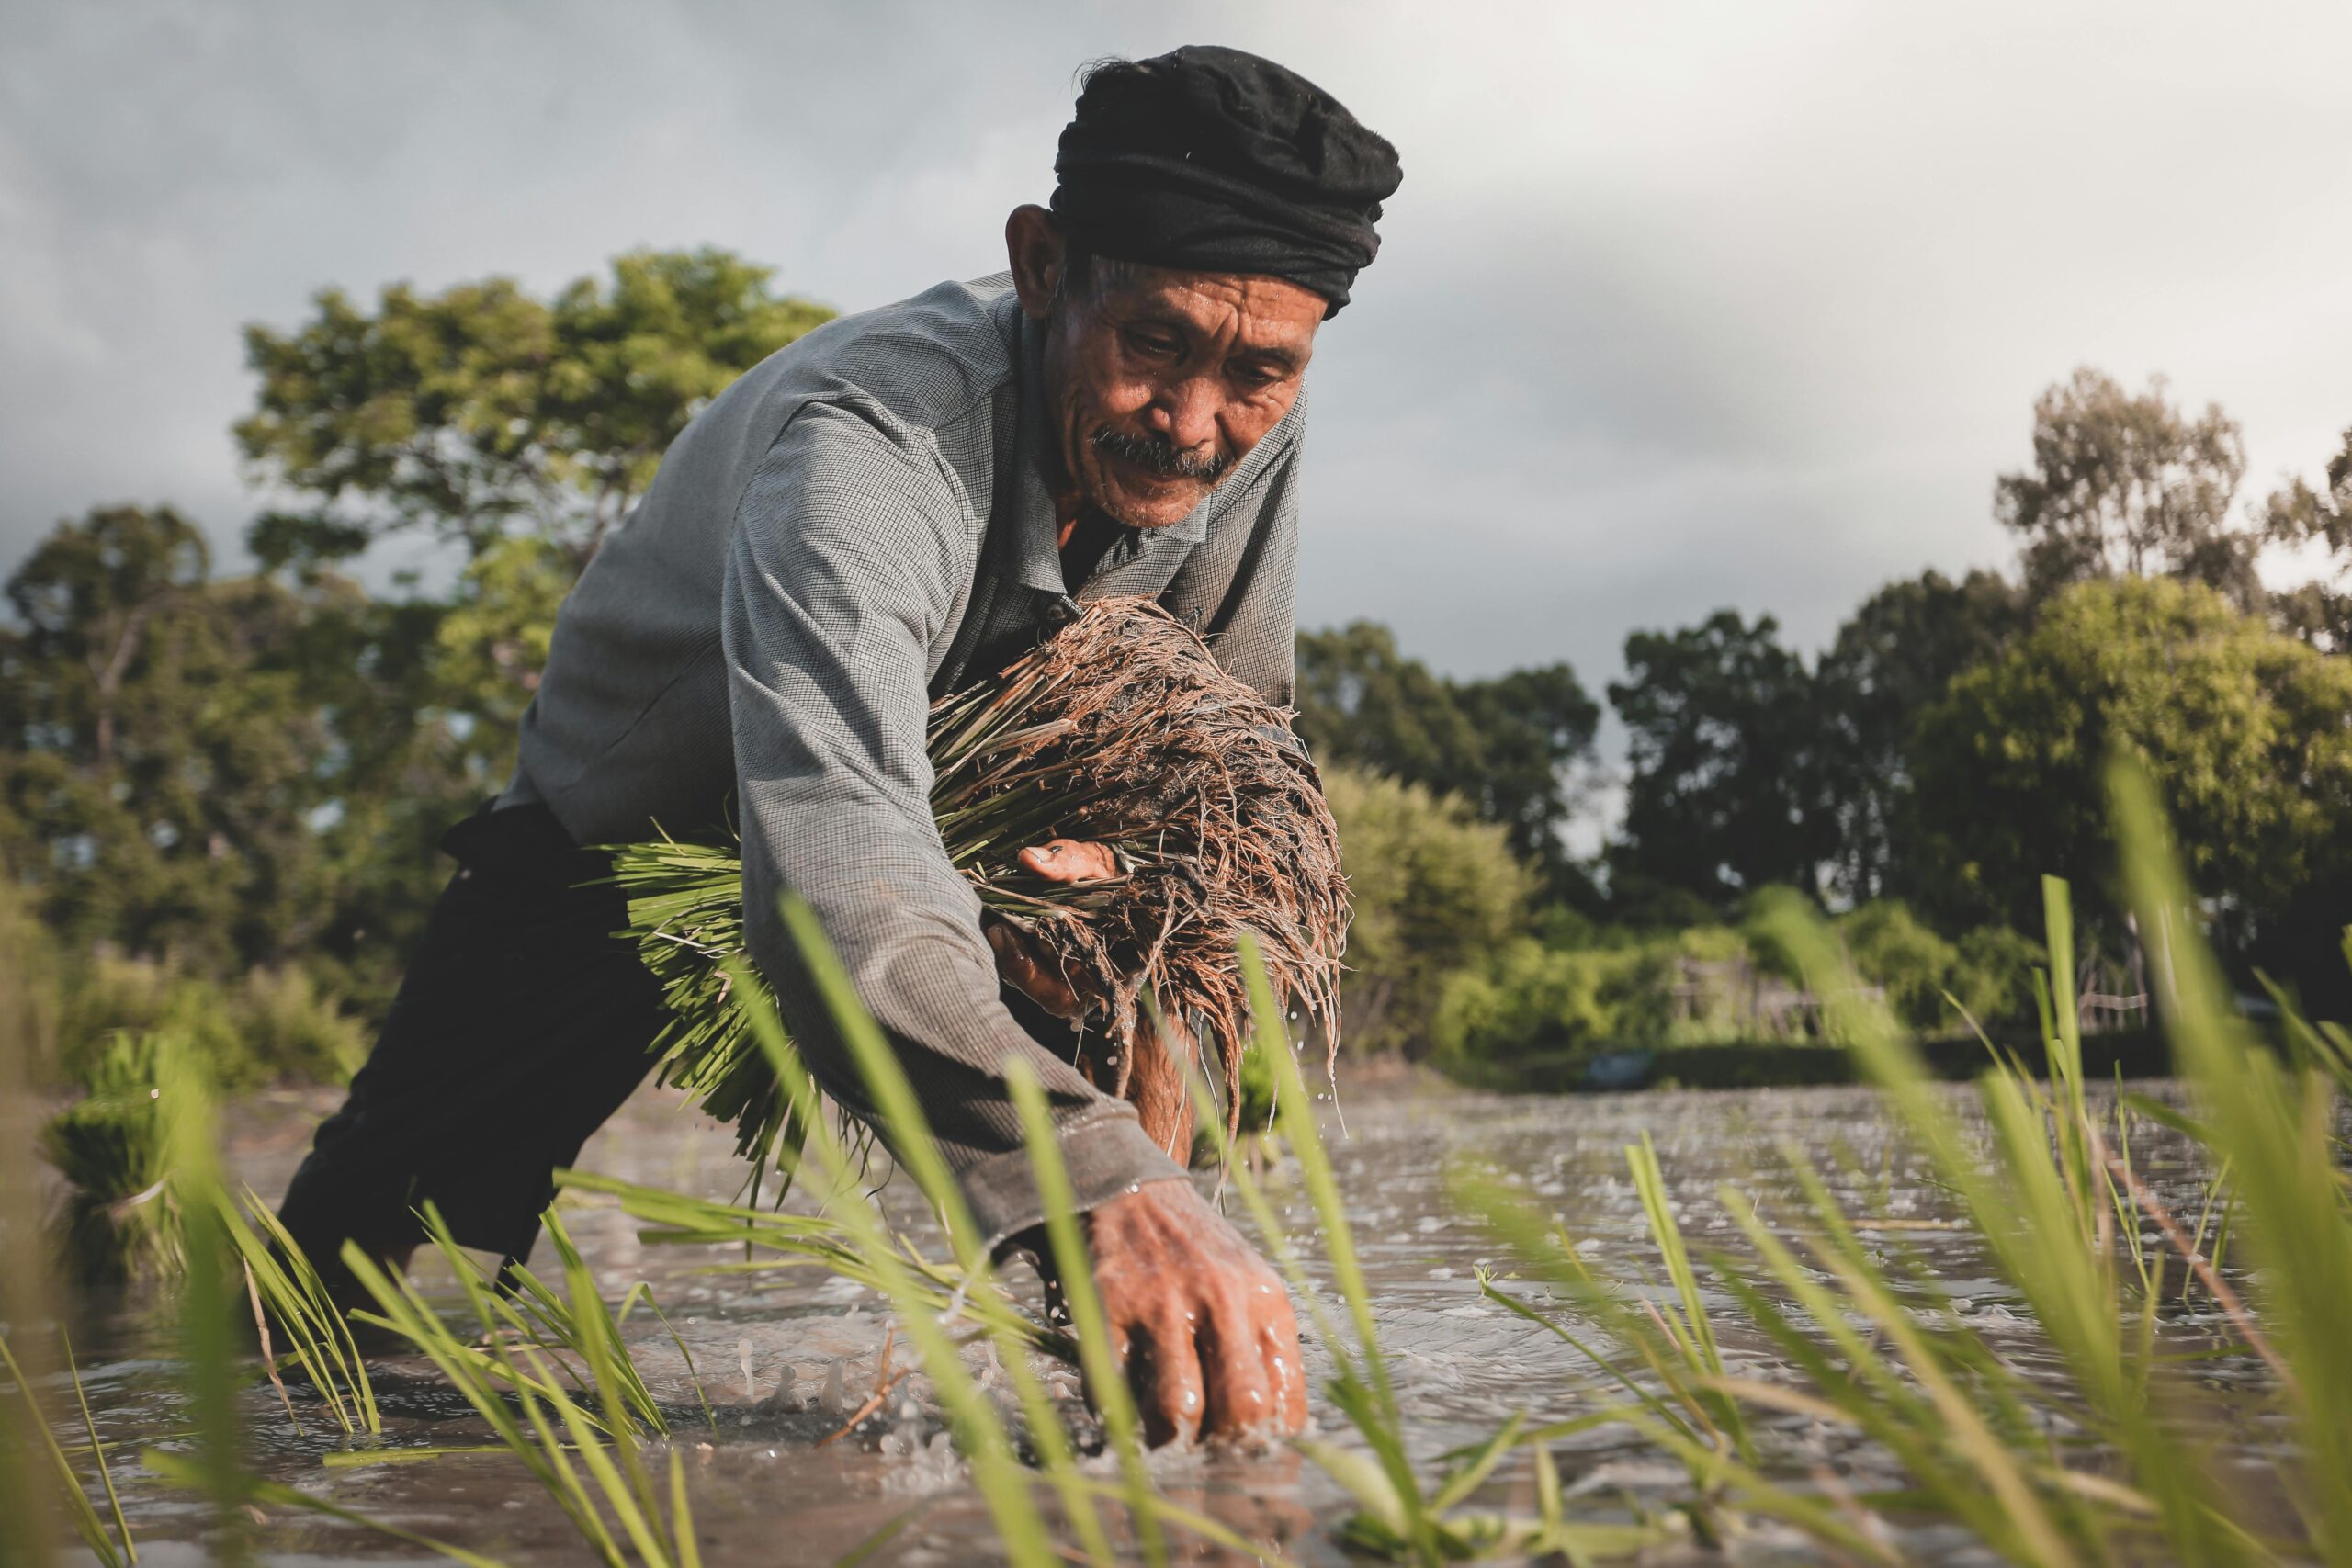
897, 502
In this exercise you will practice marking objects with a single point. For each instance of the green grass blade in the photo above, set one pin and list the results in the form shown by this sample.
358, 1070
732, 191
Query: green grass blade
85, 1517
98, 1449
986, 1444
1112, 1395
1378, 1417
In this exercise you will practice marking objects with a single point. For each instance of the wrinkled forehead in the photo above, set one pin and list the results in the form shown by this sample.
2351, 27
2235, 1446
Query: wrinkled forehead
1251, 310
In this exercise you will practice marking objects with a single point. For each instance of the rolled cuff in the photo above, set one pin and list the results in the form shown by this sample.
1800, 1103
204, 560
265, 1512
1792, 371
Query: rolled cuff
1105, 1157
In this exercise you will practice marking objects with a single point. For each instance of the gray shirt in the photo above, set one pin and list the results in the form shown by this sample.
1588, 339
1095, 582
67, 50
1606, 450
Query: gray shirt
858, 525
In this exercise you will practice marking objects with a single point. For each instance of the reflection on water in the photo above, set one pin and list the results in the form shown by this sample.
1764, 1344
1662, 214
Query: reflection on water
784, 1358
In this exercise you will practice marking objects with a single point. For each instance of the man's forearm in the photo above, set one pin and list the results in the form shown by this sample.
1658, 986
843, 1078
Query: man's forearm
939, 1006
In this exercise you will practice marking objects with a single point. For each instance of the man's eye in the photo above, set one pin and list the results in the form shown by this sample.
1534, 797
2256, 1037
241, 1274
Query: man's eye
1152, 344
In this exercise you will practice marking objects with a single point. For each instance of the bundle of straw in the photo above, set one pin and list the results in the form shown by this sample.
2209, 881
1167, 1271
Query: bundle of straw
1121, 728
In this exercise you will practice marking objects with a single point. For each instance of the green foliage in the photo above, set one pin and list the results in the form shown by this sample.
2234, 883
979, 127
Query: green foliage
1723, 795
1986, 971
271, 1026
492, 642
481, 412
2246, 734
1893, 657
2129, 486
226, 774
223, 774
1592, 988
1434, 890
2298, 514
1529, 998
1507, 746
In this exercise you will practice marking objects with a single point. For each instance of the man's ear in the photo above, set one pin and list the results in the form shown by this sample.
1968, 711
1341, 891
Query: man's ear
1034, 249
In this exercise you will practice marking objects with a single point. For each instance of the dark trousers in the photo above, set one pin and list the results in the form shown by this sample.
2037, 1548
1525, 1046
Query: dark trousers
522, 1023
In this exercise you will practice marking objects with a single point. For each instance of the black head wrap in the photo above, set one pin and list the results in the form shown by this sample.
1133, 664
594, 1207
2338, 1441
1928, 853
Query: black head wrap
1210, 160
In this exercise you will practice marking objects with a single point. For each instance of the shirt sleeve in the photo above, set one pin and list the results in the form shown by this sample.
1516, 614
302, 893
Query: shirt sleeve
843, 573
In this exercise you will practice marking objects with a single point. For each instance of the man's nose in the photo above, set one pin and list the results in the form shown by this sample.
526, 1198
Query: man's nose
1185, 411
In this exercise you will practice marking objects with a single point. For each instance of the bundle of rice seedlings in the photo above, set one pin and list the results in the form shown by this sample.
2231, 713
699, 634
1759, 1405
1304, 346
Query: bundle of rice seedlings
119, 1220
1120, 729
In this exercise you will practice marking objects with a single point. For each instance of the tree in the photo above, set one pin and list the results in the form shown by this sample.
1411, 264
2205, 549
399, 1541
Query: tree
1363, 702
219, 773
1892, 658
2319, 613
481, 412
2247, 733
87, 599
1435, 891
1507, 746
1723, 796
168, 757
2129, 486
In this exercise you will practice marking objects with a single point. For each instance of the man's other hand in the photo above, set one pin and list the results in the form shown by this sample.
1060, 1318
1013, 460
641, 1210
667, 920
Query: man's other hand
1062, 860
1199, 1322
1071, 860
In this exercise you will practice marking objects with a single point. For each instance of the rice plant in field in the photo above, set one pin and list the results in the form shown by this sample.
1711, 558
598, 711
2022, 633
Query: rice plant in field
2100, 1459
1397, 1515
2104, 1455
125, 1217
1123, 730
290, 1306
549, 1374
980, 1428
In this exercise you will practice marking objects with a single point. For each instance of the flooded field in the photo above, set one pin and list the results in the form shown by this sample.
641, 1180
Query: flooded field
782, 1359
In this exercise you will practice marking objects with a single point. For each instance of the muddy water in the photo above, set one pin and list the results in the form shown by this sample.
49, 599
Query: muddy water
782, 1358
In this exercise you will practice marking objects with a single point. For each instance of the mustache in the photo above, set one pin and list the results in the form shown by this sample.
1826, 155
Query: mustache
1160, 454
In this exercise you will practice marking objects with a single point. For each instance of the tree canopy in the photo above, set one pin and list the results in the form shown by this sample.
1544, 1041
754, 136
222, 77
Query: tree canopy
2127, 485
2247, 733
1723, 787
1508, 747
481, 411
1892, 658
2319, 612
1434, 889
191, 749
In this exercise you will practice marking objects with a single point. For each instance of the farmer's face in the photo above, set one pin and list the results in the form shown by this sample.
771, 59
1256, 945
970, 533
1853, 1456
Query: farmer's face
1162, 381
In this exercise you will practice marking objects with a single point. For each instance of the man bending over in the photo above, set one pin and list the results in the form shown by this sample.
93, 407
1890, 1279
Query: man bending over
895, 503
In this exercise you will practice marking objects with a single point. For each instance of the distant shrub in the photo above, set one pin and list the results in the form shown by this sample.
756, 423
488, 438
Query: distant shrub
273, 1026
1890, 949
1588, 988
1993, 977
1988, 970
1436, 891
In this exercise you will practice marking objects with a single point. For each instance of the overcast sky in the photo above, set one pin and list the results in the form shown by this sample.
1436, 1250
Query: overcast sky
1679, 307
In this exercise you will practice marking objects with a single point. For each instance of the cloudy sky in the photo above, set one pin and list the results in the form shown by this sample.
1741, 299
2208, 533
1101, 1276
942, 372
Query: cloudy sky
1680, 306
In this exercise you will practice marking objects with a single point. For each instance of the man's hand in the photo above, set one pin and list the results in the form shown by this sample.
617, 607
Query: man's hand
1199, 1322
1071, 860
1062, 860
